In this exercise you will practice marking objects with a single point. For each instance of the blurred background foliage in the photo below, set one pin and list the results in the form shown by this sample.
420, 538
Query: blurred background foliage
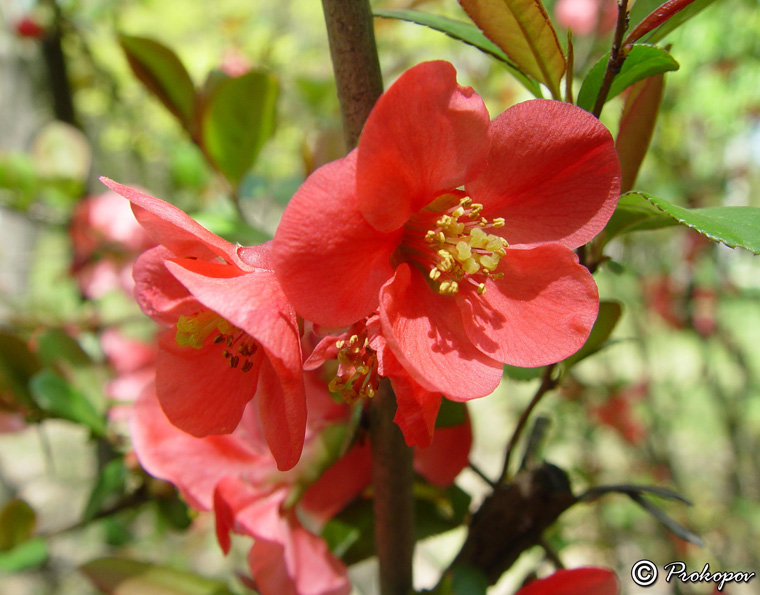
672, 400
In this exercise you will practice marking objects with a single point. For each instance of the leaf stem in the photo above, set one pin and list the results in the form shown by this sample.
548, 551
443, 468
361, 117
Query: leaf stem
548, 382
618, 54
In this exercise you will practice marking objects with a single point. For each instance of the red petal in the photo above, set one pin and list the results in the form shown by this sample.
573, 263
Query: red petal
172, 227
197, 389
194, 465
426, 135
282, 407
330, 262
552, 173
447, 455
424, 330
157, 292
339, 484
579, 581
541, 312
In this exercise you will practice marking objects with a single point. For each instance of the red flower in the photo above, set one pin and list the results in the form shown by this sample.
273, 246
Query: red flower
462, 280
579, 581
232, 332
236, 476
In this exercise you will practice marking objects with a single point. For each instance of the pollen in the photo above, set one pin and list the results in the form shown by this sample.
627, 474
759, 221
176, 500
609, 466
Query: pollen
357, 375
194, 330
460, 248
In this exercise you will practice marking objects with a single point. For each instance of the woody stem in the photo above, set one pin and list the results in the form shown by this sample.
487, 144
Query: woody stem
359, 82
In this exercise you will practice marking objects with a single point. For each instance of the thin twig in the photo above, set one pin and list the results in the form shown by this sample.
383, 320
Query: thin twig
618, 54
547, 384
479, 472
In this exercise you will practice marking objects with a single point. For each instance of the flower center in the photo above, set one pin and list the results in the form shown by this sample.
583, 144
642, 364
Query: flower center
456, 246
357, 369
192, 331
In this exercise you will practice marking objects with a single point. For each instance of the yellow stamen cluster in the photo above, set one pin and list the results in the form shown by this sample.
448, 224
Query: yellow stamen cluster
357, 370
192, 331
463, 247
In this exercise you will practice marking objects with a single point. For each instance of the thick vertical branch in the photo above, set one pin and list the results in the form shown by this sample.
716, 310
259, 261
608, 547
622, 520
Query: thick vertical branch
355, 62
392, 479
359, 82
618, 54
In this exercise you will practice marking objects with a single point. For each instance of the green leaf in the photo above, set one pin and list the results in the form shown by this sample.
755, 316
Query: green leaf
465, 32
55, 344
162, 72
635, 213
110, 484
637, 122
523, 374
117, 576
642, 61
350, 534
58, 398
736, 227
30, 554
17, 520
17, 366
522, 29
238, 118
609, 315
451, 414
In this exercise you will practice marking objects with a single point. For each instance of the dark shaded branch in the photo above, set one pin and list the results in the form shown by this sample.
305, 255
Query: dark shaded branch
392, 479
618, 54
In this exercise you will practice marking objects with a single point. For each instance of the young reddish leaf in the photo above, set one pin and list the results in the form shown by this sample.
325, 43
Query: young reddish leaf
637, 125
523, 30
238, 118
656, 18
644, 9
129, 577
162, 72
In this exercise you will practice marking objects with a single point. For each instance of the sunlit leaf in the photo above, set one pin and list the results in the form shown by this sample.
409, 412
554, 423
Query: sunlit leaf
635, 213
736, 227
609, 315
162, 72
451, 414
465, 32
58, 398
237, 120
116, 576
29, 554
637, 121
17, 520
642, 61
523, 30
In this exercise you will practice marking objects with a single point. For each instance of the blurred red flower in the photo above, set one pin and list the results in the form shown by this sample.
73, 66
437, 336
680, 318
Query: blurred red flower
578, 581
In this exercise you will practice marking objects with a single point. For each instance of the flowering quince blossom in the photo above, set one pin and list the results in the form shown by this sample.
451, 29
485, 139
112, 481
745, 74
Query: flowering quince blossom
578, 581
363, 359
231, 330
236, 476
457, 230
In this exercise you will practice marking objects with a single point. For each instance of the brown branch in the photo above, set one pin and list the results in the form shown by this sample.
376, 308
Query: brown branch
618, 54
392, 479
355, 62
